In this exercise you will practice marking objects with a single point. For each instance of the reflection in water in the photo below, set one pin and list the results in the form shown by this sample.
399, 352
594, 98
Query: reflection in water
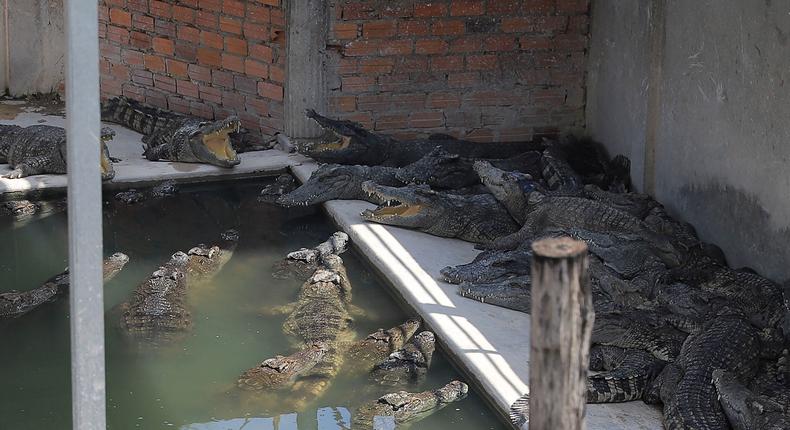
192, 380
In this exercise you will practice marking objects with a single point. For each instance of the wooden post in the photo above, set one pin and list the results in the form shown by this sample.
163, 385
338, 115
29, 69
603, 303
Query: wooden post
562, 319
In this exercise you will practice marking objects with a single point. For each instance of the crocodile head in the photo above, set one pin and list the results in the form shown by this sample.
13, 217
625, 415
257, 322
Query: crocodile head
206, 261
414, 206
490, 266
107, 172
352, 144
211, 142
510, 188
113, 265
328, 182
745, 409
277, 372
439, 169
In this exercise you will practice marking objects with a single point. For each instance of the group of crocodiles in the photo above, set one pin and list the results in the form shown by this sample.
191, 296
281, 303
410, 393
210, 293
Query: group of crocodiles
674, 324
170, 136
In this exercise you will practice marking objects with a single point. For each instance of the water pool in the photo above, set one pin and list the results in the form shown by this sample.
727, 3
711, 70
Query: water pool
189, 384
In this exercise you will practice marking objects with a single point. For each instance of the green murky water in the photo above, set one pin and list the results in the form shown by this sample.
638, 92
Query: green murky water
189, 384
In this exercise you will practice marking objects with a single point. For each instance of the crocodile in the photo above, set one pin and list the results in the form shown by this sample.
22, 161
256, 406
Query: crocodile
280, 371
638, 330
405, 407
475, 218
175, 137
15, 303
157, 309
133, 196
625, 377
339, 182
355, 145
558, 174
303, 262
441, 169
491, 266
21, 210
590, 162
511, 293
378, 345
746, 410
727, 342
281, 186
40, 149
409, 364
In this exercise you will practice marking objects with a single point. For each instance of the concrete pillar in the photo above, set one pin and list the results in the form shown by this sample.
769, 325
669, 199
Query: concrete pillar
3, 47
35, 45
306, 83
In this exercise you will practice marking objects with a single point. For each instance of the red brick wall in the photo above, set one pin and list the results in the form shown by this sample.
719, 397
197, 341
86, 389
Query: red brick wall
480, 69
208, 58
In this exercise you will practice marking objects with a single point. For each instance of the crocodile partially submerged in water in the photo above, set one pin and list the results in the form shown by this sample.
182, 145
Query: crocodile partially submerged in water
16, 303
378, 345
303, 262
475, 218
281, 186
405, 407
280, 371
40, 149
23, 210
339, 182
408, 365
355, 145
174, 137
134, 196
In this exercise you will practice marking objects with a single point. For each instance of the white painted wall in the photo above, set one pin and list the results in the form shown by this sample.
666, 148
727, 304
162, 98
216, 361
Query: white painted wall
36, 48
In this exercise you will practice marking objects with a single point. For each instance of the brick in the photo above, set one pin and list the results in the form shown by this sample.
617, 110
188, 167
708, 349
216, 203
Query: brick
396, 83
245, 85
570, 42
270, 91
539, 7
229, 25
414, 28
201, 110
160, 9
449, 63
256, 68
397, 10
207, 19
480, 135
184, 14
163, 46
467, 44
448, 28
133, 58
357, 84
222, 78
408, 101
165, 83
537, 24
156, 98
211, 5
143, 77
120, 71
535, 42
199, 73
235, 45
467, 117
120, 17
258, 106
261, 52
233, 62
432, 8
186, 88
260, 15
392, 122
579, 24
343, 103
345, 31
379, 29
209, 57
430, 46
357, 11
463, 80
134, 92
500, 42
117, 34
426, 119
347, 66
178, 104
466, 7
209, 94
374, 102
443, 100
165, 28
413, 64
177, 68
137, 6
278, 17
548, 96
211, 40
481, 62
277, 74
275, 3
376, 66
139, 40
186, 51
189, 34
492, 98
256, 31
359, 48
154, 63
516, 134
397, 47
233, 7
573, 6
503, 7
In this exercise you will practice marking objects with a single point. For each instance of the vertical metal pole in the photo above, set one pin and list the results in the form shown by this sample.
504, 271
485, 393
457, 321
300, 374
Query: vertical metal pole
85, 220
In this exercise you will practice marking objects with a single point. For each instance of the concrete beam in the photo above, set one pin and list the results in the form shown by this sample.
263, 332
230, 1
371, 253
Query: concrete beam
306, 83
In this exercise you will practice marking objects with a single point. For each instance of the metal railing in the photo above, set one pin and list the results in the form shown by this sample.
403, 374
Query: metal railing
84, 209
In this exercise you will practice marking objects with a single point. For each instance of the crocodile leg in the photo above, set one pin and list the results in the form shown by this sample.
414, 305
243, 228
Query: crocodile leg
627, 380
31, 166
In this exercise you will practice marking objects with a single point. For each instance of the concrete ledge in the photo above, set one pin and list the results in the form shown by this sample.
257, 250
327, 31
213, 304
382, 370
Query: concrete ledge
134, 170
491, 344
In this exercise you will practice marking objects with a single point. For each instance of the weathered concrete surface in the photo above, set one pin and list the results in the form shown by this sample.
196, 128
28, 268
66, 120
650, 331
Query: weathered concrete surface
36, 46
722, 159
489, 343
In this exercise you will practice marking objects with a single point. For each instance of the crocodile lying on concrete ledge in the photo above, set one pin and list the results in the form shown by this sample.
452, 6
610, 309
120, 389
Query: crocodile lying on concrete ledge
175, 137
40, 149
280, 371
339, 182
407, 407
627, 374
408, 365
355, 145
14, 303
746, 410
476, 218
303, 262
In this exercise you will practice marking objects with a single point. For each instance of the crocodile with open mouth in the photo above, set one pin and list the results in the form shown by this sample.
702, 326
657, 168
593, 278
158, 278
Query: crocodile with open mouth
473, 218
40, 149
406, 408
174, 137
355, 145
15, 303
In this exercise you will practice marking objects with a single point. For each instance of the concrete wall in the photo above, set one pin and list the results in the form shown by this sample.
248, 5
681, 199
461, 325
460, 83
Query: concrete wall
36, 46
716, 74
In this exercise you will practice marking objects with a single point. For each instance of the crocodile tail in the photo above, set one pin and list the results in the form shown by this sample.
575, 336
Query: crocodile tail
135, 115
